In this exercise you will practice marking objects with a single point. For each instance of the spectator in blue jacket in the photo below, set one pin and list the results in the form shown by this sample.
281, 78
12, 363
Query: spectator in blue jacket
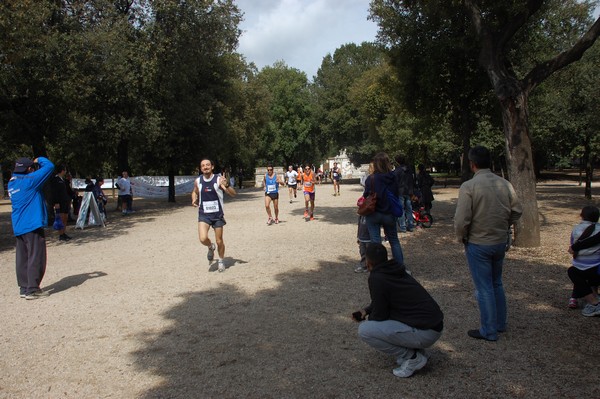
29, 217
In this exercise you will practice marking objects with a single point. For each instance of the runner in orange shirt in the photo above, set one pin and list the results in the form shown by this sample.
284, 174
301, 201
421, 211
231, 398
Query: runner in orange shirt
308, 186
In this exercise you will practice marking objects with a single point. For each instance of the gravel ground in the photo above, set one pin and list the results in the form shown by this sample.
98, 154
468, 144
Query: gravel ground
136, 311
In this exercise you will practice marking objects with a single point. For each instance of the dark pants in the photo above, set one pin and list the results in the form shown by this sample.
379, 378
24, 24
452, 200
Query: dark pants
126, 202
583, 280
31, 260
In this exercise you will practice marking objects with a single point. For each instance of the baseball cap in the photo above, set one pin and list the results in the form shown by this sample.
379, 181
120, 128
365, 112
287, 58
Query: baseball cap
22, 164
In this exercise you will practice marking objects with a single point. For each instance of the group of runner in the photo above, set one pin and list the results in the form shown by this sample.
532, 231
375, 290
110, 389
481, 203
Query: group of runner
208, 197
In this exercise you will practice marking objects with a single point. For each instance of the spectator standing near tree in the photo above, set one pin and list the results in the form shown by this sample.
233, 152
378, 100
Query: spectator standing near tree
425, 182
487, 206
406, 183
29, 215
381, 180
61, 200
125, 193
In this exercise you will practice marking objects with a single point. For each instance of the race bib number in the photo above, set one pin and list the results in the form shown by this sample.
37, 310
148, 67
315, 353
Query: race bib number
271, 188
210, 206
335, 174
308, 184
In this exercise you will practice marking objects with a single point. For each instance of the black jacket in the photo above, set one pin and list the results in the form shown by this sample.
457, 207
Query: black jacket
406, 181
396, 295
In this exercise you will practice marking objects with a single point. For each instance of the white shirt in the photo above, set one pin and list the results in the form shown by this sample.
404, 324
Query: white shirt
291, 176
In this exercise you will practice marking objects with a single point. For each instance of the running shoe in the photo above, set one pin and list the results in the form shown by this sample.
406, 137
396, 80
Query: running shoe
211, 252
221, 264
306, 213
269, 221
276, 221
312, 217
572, 303
589, 310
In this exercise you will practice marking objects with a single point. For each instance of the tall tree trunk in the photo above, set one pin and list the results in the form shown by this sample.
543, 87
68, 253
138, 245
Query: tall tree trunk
520, 168
123, 156
587, 157
171, 185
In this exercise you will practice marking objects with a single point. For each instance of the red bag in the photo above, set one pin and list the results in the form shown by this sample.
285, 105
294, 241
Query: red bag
367, 205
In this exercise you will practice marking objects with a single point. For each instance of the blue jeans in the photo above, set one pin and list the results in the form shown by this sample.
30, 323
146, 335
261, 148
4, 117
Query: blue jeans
407, 217
485, 264
375, 221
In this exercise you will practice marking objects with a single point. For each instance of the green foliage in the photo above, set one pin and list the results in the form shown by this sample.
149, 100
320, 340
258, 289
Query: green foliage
289, 136
348, 105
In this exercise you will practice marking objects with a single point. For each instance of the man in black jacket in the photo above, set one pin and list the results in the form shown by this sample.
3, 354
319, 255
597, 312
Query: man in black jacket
403, 319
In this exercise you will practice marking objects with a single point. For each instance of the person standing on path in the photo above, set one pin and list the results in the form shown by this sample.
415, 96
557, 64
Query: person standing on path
487, 206
61, 200
292, 183
336, 175
406, 184
380, 181
308, 187
208, 197
271, 184
29, 216
125, 193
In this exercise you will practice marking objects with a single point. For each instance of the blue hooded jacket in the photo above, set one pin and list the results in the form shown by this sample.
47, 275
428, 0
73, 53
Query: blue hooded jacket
380, 182
26, 195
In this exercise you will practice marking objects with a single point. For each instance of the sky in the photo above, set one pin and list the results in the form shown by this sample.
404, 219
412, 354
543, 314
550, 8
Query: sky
301, 32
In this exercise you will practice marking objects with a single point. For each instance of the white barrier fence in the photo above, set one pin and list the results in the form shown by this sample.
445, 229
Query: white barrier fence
148, 186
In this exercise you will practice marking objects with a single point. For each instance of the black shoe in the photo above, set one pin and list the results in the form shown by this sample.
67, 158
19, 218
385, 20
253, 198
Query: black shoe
64, 237
477, 335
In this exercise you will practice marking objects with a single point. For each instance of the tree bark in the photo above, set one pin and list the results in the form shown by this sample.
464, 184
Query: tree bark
171, 185
520, 168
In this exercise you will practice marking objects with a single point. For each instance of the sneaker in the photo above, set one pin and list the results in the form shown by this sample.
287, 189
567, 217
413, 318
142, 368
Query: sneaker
37, 294
290, 201
22, 295
409, 366
406, 356
572, 303
361, 269
276, 221
269, 221
221, 266
591, 310
312, 217
306, 213
63, 237
211, 252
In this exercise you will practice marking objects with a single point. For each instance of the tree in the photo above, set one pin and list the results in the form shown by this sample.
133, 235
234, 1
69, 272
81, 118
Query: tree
288, 136
571, 123
192, 49
338, 118
434, 59
496, 25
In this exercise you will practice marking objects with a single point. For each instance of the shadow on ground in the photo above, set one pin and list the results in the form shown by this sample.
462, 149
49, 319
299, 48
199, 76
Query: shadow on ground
297, 340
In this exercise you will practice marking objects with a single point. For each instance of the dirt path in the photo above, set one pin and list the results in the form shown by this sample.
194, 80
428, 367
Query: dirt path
136, 312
